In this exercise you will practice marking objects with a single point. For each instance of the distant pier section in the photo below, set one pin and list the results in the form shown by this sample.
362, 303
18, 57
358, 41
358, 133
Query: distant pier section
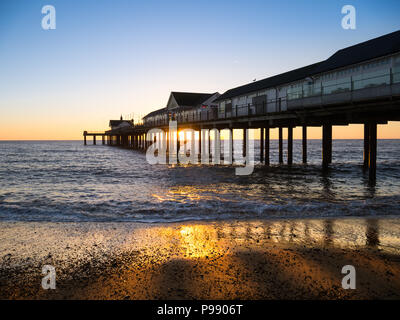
94, 134
356, 85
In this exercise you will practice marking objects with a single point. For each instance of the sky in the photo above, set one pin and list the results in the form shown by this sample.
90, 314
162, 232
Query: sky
106, 58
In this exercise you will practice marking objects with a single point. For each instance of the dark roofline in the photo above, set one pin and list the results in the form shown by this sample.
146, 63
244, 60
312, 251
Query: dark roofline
371, 49
120, 121
182, 108
156, 112
190, 99
276, 80
199, 93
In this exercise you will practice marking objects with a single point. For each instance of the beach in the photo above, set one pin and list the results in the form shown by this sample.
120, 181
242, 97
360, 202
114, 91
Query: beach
235, 259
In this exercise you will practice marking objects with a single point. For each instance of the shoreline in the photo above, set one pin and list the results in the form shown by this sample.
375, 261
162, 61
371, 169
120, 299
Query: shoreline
236, 259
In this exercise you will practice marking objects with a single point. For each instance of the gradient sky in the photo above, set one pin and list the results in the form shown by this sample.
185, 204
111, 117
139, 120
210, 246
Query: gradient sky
107, 58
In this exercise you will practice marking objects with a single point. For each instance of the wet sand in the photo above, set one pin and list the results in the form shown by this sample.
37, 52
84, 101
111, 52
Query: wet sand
259, 259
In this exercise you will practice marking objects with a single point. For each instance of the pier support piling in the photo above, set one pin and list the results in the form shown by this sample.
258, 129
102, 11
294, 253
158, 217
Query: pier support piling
94, 140
217, 147
199, 145
290, 145
326, 145
261, 145
372, 151
266, 143
366, 146
232, 148
209, 142
244, 142
167, 139
205, 152
280, 145
304, 144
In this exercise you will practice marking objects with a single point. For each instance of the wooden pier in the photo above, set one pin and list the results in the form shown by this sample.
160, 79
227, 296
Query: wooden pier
370, 115
356, 85
86, 134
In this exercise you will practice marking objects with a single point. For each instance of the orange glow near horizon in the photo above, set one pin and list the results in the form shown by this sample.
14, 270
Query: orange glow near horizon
59, 129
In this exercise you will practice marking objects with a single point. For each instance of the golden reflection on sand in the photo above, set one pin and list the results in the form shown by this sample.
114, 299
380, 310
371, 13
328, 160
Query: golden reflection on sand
199, 239
218, 260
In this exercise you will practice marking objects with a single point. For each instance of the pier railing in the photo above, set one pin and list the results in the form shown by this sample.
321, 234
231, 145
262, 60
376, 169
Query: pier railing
307, 96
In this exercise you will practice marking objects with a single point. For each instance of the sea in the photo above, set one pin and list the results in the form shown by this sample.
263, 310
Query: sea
65, 181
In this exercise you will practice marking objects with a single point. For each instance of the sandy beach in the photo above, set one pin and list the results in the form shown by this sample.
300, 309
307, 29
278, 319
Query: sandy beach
260, 259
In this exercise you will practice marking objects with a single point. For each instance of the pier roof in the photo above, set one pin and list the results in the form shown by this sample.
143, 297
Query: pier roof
273, 81
156, 112
116, 123
368, 50
190, 98
184, 101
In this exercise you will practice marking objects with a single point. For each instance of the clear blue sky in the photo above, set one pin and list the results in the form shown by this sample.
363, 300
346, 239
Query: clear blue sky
111, 57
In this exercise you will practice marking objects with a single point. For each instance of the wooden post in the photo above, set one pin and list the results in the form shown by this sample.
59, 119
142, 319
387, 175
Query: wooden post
205, 151
217, 146
280, 145
372, 151
267, 146
94, 140
103, 140
304, 144
366, 145
178, 145
209, 143
261, 145
84, 139
166, 140
244, 142
290, 145
199, 145
231, 145
326, 145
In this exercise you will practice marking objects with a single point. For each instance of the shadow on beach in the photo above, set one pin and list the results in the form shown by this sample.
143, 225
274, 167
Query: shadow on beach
230, 260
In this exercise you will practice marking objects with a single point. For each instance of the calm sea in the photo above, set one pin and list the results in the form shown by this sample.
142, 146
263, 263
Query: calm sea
66, 181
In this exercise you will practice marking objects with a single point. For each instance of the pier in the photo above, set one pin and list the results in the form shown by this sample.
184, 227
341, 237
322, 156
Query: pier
94, 135
356, 85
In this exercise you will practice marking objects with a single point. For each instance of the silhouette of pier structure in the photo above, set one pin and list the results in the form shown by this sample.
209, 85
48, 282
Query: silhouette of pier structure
356, 85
